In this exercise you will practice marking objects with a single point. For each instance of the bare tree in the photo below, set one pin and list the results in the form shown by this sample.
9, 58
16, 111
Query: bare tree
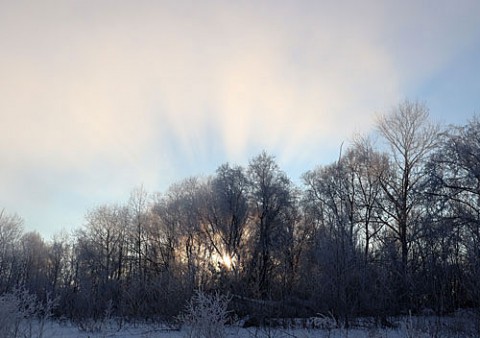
34, 258
273, 202
226, 212
177, 247
334, 201
100, 258
58, 273
365, 165
165, 233
138, 206
455, 198
183, 225
410, 138
11, 229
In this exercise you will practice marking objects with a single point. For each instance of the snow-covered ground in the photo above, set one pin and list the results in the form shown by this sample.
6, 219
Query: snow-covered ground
407, 327
55, 330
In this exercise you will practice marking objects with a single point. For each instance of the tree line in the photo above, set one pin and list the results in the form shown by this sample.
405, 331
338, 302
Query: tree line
392, 226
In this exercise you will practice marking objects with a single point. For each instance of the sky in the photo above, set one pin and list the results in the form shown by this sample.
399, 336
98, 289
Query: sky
99, 97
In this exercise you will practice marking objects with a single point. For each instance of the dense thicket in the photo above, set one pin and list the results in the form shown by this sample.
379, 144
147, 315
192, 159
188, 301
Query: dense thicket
385, 229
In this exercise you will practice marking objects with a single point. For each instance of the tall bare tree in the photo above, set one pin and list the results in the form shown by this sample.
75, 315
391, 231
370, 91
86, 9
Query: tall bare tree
225, 214
410, 138
273, 208
455, 187
365, 163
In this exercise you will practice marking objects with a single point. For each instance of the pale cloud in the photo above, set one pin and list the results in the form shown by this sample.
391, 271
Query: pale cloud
105, 95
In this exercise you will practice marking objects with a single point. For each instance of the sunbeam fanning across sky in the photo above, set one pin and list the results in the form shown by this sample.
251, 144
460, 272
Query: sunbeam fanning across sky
98, 97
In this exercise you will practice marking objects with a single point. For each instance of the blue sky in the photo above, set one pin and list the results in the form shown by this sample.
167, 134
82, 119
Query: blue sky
99, 97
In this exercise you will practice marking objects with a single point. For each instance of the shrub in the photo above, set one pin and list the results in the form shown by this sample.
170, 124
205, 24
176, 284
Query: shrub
19, 309
16, 309
205, 315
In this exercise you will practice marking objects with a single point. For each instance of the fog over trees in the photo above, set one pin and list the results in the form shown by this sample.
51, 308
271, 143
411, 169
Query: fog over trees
391, 227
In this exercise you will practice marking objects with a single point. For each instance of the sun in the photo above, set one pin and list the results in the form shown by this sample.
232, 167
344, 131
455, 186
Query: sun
223, 261
227, 261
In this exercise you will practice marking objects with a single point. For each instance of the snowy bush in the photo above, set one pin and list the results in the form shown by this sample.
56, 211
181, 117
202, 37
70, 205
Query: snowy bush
19, 309
16, 309
9, 315
205, 315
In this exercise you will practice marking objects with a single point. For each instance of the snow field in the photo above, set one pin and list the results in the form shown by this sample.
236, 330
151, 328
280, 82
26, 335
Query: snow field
423, 327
